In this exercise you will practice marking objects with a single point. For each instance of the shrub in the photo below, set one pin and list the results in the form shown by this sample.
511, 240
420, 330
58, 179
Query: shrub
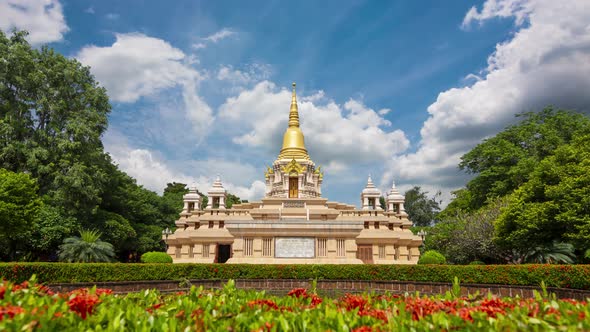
477, 263
156, 257
432, 257
567, 276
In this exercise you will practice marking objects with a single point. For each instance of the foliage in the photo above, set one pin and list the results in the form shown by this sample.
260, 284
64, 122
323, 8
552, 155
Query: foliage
422, 211
29, 306
506, 161
432, 257
477, 263
53, 226
231, 199
156, 257
567, 276
468, 236
19, 206
382, 203
52, 115
554, 253
554, 205
86, 248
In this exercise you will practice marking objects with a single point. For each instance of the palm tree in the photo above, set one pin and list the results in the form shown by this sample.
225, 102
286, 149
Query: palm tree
555, 253
87, 248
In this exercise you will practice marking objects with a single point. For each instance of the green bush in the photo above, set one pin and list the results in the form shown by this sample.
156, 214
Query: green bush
156, 257
566, 276
477, 263
432, 257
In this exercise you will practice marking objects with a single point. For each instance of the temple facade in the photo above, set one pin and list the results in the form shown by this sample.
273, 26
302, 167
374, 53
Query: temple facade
293, 223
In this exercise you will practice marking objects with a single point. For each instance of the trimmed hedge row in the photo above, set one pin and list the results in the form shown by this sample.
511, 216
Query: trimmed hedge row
565, 276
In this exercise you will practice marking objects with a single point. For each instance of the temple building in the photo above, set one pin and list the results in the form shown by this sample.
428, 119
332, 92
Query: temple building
293, 223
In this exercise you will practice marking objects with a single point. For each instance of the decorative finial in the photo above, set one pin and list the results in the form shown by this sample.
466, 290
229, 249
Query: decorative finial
294, 112
393, 184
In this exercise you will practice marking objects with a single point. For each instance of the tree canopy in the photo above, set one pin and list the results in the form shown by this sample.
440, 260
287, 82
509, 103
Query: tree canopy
540, 170
52, 116
422, 210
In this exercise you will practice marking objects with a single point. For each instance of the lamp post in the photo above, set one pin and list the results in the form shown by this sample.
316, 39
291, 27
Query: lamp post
422, 234
165, 233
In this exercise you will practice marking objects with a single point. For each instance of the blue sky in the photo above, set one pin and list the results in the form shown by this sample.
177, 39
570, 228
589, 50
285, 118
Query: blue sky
396, 89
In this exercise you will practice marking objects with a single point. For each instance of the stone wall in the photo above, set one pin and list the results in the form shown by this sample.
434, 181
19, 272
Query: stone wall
333, 288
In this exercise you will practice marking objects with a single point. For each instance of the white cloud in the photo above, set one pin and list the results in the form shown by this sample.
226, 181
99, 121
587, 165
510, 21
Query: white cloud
89, 10
43, 19
198, 46
219, 35
153, 172
335, 134
519, 9
138, 66
252, 73
546, 62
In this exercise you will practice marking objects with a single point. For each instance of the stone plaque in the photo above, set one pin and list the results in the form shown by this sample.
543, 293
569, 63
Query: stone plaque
295, 247
294, 204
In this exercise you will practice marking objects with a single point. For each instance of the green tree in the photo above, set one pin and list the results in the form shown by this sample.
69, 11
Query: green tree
504, 162
52, 115
50, 230
231, 199
88, 248
554, 205
421, 209
469, 236
19, 207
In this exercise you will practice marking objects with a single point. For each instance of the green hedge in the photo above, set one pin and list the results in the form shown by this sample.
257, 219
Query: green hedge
567, 276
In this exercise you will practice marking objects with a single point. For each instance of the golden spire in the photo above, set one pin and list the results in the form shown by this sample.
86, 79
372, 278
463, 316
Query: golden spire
294, 112
293, 141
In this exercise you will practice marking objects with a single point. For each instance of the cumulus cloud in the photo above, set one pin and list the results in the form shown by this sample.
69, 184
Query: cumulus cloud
154, 172
138, 66
546, 62
43, 19
252, 73
336, 134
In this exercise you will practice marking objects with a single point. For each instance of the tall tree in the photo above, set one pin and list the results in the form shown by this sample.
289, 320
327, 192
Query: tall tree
19, 206
52, 115
422, 210
468, 236
504, 162
554, 205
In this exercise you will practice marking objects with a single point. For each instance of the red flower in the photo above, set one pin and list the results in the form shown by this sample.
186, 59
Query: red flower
363, 329
315, 300
2, 292
83, 304
101, 291
263, 302
154, 307
298, 292
354, 301
10, 311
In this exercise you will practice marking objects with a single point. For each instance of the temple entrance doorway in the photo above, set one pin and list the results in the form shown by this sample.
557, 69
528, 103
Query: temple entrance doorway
365, 253
223, 253
293, 187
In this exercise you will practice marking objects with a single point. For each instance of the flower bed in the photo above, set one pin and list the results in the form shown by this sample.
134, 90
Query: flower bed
563, 276
28, 306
